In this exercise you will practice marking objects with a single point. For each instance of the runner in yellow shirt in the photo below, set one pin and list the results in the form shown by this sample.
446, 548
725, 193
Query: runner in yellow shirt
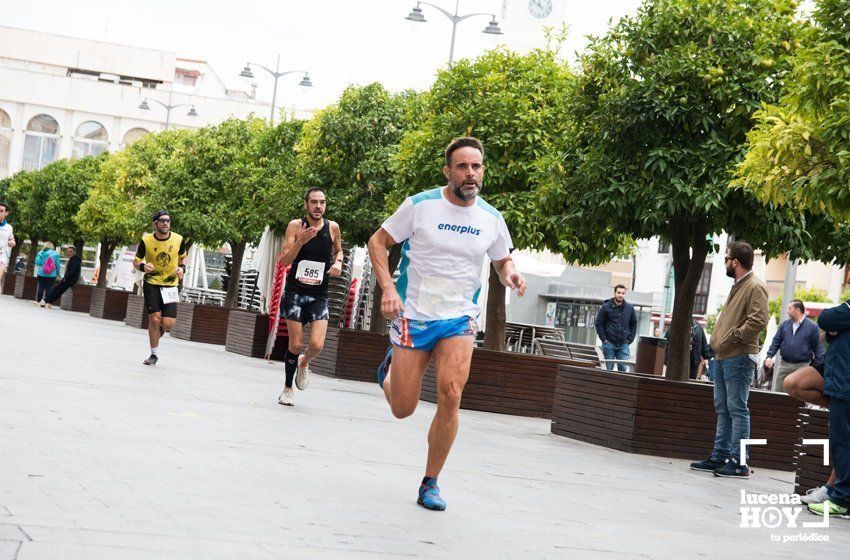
161, 256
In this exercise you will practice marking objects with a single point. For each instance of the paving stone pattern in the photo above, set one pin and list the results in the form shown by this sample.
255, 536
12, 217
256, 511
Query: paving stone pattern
104, 458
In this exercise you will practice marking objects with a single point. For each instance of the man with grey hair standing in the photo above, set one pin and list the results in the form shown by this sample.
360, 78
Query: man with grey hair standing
798, 342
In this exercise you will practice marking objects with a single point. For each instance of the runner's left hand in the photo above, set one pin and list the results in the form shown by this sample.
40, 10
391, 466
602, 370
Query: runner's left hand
336, 269
515, 281
179, 273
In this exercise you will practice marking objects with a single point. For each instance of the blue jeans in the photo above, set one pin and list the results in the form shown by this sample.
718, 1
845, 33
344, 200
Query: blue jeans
839, 445
615, 352
732, 381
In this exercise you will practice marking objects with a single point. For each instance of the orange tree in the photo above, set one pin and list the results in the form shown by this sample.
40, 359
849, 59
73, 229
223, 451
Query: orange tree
665, 100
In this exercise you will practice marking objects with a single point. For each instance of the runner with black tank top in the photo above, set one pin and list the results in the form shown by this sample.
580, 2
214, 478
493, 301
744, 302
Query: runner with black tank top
313, 248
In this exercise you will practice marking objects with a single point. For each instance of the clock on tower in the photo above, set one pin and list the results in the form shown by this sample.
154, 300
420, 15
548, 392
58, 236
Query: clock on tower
540, 8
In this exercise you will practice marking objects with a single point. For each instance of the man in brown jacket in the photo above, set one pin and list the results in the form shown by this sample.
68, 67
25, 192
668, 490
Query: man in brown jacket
735, 341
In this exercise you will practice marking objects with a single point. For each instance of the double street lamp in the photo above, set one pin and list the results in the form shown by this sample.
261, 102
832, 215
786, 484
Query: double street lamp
305, 80
168, 107
417, 16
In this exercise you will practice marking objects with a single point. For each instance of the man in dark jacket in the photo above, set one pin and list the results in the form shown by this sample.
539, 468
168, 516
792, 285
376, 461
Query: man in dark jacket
72, 276
616, 325
798, 342
836, 385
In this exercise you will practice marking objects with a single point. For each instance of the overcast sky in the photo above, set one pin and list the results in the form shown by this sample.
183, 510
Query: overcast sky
340, 42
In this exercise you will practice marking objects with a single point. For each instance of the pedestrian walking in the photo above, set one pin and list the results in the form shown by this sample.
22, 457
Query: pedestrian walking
48, 265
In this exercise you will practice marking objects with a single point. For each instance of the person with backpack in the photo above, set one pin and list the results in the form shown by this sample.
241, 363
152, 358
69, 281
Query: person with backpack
47, 264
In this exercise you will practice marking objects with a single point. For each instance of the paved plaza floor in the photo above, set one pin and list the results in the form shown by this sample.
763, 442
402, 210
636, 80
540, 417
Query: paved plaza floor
104, 458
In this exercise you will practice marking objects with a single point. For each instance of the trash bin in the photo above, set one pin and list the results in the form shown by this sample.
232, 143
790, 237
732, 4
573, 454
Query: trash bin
650, 355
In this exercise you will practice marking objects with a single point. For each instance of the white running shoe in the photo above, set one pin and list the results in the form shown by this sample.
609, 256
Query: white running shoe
302, 375
286, 397
815, 495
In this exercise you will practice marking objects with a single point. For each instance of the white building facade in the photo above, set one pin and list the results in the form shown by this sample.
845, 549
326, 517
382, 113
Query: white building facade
63, 97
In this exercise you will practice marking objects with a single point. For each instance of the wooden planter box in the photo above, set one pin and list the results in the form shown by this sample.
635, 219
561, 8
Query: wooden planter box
26, 287
505, 382
108, 304
9, 283
652, 416
350, 354
811, 472
77, 298
137, 313
201, 323
246, 335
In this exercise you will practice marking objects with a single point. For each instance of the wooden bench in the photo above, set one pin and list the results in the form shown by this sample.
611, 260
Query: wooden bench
649, 415
812, 423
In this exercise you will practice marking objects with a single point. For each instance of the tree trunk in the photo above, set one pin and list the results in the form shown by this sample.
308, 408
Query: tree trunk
31, 256
13, 256
494, 330
689, 247
237, 251
79, 245
106, 249
377, 323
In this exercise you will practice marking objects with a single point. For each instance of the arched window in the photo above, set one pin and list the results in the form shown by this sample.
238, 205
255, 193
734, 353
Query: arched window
5, 142
41, 142
134, 135
91, 140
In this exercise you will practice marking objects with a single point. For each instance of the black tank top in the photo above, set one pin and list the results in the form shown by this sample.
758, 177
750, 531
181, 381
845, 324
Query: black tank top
317, 250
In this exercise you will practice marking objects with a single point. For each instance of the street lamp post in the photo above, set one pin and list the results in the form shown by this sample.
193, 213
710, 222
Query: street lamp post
416, 16
168, 107
305, 81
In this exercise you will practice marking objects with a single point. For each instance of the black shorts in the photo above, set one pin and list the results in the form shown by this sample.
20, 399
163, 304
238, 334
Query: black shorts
818, 365
304, 308
153, 301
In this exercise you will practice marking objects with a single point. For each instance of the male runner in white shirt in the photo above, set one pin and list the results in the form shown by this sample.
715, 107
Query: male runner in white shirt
445, 234
7, 241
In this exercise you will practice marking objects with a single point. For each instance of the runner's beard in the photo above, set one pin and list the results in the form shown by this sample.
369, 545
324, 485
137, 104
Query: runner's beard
463, 192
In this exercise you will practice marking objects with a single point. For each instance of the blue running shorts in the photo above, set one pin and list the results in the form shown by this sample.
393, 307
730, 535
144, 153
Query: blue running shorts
424, 335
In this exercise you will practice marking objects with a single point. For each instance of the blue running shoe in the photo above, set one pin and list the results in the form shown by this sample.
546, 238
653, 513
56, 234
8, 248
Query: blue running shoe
429, 496
384, 368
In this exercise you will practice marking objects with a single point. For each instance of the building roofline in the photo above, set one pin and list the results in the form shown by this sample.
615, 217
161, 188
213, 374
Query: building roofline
77, 38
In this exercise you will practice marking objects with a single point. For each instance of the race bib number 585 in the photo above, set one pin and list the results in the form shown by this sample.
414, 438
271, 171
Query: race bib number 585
310, 272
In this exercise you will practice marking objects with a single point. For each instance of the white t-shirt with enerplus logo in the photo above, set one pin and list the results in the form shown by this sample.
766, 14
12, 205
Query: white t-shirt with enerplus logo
443, 248
5, 236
